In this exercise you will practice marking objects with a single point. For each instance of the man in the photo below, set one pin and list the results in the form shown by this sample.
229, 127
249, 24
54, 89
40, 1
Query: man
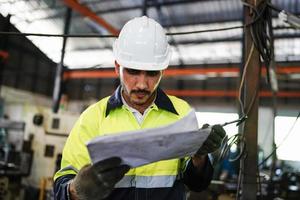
141, 53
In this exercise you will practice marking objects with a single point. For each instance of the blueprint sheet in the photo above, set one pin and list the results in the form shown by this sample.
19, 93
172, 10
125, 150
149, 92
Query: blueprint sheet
140, 147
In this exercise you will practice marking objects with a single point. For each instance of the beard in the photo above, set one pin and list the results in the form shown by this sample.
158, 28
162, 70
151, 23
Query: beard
139, 97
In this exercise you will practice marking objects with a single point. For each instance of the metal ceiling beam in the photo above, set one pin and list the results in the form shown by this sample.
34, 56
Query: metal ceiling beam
199, 19
211, 71
199, 41
95, 1
136, 7
150, 5
85, 11
232, 39
62, 6
228, 93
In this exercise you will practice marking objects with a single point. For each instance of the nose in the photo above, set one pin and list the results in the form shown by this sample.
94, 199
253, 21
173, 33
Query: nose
142, 81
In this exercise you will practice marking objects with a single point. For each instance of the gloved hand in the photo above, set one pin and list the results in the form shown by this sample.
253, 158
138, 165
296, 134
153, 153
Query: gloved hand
214, 140
97, 181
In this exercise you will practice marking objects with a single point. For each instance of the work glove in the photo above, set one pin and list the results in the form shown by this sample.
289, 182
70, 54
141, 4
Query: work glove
97, 181
214, 140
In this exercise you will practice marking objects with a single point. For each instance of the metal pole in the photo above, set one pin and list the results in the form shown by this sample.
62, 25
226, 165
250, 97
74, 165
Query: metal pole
252, 79
59, 70
180, 83
240, 110
274, 88
145, 8
274, 156
4, 44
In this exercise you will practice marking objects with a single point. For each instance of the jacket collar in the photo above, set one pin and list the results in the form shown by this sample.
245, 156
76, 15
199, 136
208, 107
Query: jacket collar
162, 101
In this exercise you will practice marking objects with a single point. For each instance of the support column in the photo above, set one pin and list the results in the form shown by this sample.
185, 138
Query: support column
145, 8
251, 98
4, 43
60, 66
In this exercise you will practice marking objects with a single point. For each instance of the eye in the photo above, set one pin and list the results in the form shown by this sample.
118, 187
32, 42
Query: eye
132, 71
153, 73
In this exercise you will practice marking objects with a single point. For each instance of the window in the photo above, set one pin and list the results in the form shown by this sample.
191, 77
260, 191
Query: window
212, 118
287, 139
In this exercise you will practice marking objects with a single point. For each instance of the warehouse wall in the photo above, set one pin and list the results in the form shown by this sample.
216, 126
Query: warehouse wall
22, 106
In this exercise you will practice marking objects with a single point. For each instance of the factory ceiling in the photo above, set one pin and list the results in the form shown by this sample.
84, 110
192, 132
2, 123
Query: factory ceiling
108, 16
205, 62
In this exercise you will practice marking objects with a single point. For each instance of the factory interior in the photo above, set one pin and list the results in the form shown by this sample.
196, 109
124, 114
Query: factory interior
236, 63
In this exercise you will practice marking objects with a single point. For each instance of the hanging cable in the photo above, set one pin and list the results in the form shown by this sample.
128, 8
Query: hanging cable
261, 33
262, 38
113, 36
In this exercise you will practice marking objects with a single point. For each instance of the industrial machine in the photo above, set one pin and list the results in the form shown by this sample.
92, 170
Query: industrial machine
15, 158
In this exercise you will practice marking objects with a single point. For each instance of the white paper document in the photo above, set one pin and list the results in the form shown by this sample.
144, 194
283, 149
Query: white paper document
140, 147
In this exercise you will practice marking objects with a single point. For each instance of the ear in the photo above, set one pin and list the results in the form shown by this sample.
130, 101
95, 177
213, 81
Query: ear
117, 68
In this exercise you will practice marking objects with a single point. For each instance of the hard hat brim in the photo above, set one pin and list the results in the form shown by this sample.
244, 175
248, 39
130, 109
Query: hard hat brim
142, 65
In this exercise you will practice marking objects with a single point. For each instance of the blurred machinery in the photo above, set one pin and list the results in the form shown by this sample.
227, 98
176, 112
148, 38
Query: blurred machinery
15, 158
285, 184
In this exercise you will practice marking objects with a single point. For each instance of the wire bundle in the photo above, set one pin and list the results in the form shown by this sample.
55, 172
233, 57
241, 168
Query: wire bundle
262, 34
262, 37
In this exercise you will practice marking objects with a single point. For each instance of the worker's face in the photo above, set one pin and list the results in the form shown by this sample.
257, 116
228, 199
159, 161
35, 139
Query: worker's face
138, 86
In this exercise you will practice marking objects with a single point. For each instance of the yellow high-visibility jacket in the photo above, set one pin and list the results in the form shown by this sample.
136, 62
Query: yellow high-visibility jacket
159, 180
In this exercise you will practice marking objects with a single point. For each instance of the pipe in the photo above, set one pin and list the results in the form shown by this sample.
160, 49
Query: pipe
85, 11
226, 93
224, 71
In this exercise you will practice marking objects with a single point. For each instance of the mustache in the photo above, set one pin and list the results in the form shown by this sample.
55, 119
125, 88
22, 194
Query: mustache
141, 92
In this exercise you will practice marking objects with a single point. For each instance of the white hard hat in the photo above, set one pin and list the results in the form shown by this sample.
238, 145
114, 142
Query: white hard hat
142, 44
